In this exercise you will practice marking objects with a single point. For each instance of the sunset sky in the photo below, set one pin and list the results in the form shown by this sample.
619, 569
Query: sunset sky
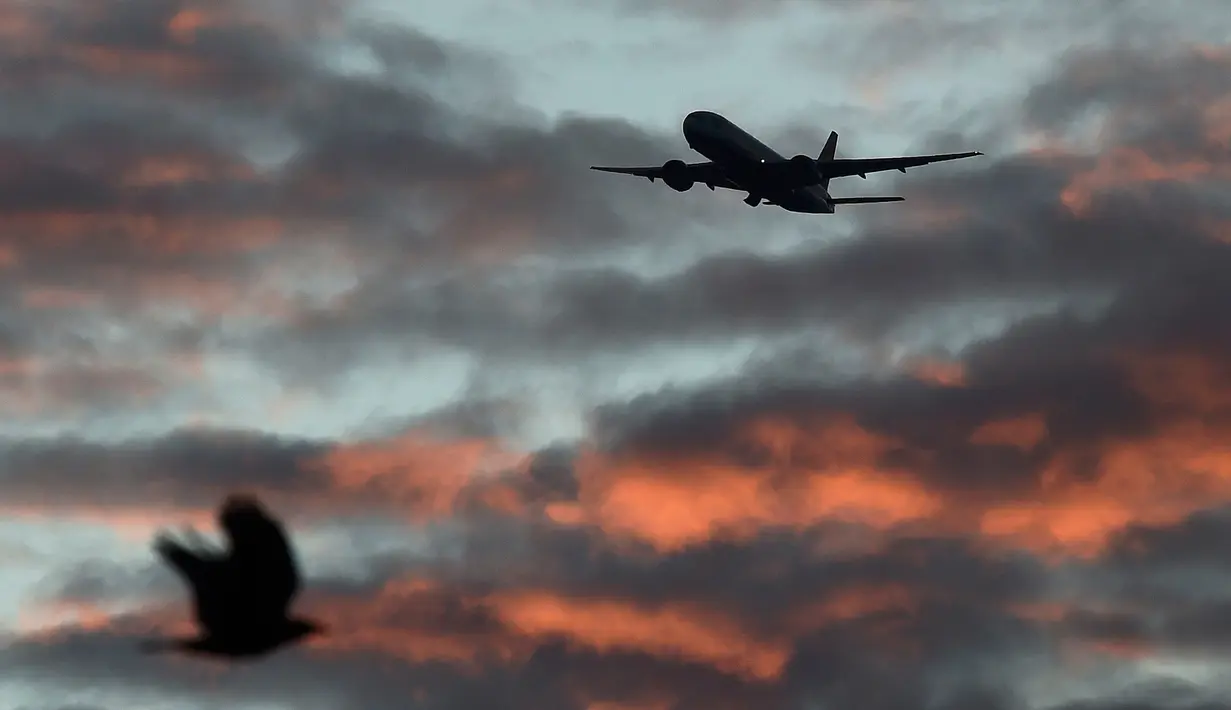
551, 439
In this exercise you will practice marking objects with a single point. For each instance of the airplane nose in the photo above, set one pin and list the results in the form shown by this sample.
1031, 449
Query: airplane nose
696, 121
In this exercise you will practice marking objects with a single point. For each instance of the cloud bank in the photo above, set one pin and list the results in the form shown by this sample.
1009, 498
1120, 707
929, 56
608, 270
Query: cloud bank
973, 456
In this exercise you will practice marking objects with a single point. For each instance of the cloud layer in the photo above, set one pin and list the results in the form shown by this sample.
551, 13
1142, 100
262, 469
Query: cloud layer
557, 440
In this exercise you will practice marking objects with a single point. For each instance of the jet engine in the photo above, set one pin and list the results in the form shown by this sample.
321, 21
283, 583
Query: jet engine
805, 168
675, 174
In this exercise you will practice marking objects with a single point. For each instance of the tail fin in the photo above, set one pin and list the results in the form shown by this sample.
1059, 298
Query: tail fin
827, 153
864, 200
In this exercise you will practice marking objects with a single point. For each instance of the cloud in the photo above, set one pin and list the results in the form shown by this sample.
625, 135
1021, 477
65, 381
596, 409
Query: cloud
208, 210
172, 160
1061, 430
412, 473
573, 626
1031, 226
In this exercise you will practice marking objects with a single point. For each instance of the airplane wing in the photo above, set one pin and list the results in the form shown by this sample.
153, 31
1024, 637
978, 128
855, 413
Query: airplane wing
704, 173
863, 166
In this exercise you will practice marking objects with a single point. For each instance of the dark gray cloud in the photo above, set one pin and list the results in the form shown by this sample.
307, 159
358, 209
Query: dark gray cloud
1154, 96
1145, 247
163, 160
138, 168
1158, 693
942, 626
1163, 587
1015, 235
189, 467
1195, 542
554, 677
905, 29
1084, 400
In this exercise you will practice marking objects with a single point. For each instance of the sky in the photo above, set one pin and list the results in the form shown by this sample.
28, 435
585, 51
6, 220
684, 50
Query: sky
551, 438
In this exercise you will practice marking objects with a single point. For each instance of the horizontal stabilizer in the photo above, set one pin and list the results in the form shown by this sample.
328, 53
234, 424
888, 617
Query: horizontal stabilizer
864, 200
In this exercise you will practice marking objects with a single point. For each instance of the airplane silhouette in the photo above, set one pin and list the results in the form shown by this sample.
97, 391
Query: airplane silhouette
241, 597
740, 162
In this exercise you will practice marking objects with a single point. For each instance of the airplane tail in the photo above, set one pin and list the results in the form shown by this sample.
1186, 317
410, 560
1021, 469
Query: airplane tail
827, 153
864, 200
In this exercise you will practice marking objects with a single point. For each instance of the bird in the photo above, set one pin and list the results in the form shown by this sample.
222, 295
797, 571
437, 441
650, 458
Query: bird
242, 596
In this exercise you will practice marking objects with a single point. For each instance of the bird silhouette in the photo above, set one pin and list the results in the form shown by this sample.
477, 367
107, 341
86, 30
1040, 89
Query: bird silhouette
242, 596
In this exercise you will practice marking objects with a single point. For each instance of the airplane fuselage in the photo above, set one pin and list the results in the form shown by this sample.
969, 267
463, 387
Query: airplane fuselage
738, 154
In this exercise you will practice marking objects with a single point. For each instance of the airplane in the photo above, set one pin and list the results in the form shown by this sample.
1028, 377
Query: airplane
737, 161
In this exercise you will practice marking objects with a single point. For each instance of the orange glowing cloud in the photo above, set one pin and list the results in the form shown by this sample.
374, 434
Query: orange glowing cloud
1158, 480
674, 630
933, 215
192, 234
46, 622
408, 620
671, 505
1127, 649
832, 470
1071, 527
185, 24
425, 474
17, 24
34, 34
1189, 380
797, 471
421, 620
1126, 167
1023, 432
669, 514
43, 619
154, 171
877, 498
852, 603
1218, 122
19, 367
435, 622
413, 473
41, 387
305, 17
947, 374
675, 502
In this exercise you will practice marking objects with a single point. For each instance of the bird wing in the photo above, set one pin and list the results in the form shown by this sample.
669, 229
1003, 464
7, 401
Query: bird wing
262, 556
205, 574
